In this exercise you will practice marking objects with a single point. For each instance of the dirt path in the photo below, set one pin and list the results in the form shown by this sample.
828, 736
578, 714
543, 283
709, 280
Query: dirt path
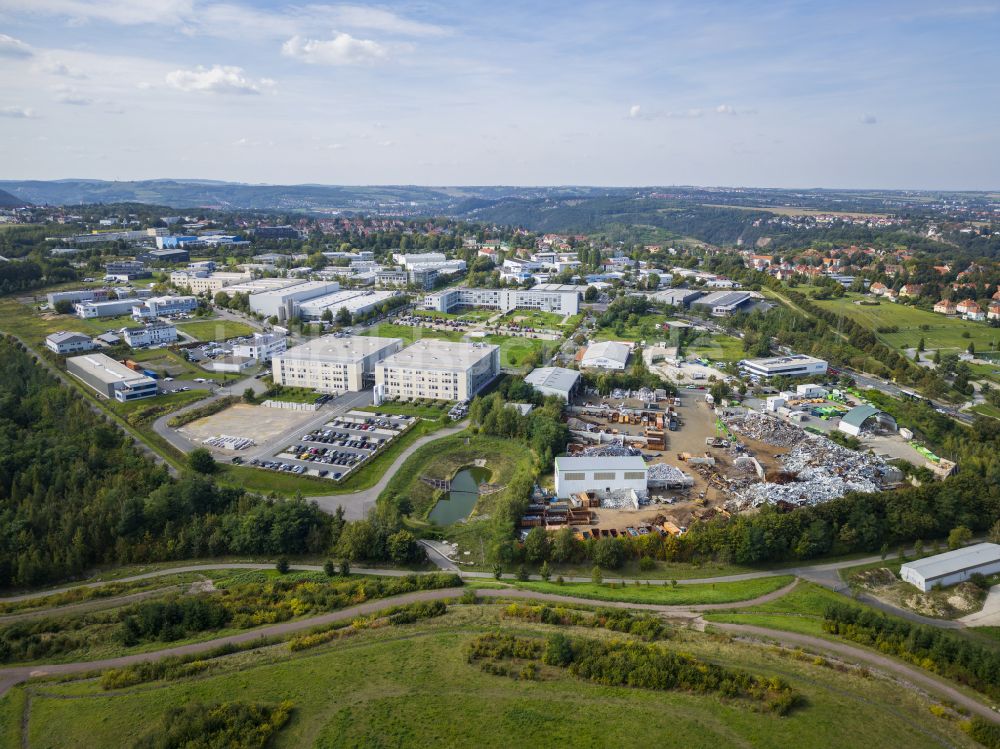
857, 654
11, 676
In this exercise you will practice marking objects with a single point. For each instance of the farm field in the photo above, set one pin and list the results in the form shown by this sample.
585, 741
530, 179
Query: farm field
215, 330
944, 333
406, 685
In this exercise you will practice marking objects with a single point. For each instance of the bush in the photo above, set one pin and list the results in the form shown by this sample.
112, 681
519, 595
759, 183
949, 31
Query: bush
201, 460
240, 725
282, 566
329, 568
647, 564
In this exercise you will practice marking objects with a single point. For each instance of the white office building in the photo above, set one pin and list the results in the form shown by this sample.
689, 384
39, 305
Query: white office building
110, 378
164, 305
112, 308
285, 303
333, 363
433, 368
952, 567
418, 258
262, 346
154, 334
199, 281
355, 301
562, 300
606, 355
796, 365
66, 342
599, 474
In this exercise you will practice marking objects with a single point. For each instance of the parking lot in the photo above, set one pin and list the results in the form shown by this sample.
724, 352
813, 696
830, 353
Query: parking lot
338, 447
256, 423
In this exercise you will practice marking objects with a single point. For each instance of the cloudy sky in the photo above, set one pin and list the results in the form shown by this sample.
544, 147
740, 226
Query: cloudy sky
789, 94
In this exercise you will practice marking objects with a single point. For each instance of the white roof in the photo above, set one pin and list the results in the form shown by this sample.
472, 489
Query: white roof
433, 353
599, 463
107, 369
560, 287
614, 350
556, 378
950, 562
331, 348
352, 299
63, 336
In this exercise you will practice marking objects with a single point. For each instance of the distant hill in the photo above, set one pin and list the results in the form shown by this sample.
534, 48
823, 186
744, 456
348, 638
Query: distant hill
11, 201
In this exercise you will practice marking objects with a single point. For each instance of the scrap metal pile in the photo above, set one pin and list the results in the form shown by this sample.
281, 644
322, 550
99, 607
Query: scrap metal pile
815, 470
610, 451
821, 470
766, 429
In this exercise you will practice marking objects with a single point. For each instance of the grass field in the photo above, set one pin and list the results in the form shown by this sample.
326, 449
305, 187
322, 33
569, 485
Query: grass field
718, 347
165, 360
411, 685
649, 328
423, 410
800, 611
944, 333
681, 595
29, 323
215, 330
410, 334
987, 410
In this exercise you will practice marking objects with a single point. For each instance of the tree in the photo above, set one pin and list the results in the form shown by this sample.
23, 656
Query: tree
591, 294
595, 575
282, 566
343, 316
959, 537
249, 396
403, 547
329, 568
345, 568
64, 307
920, 344
994, 534
545, 572
327, 315
497, 571
536, 544
201, 460
608, 553
221, 299
565, 546
522, 573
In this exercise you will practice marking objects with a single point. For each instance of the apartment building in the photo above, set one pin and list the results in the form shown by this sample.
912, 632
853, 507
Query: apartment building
333, 363
67, 342
433, 368
199, 281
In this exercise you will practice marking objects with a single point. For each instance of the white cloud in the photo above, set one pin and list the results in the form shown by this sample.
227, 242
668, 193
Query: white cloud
360, 17
343, 49
54, 67
11, 47
121, 12
635, 112
725, 109
869, 119
219, 79
18, 113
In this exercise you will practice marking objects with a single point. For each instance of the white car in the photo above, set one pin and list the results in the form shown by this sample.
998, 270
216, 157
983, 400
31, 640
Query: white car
168, 379
199, 379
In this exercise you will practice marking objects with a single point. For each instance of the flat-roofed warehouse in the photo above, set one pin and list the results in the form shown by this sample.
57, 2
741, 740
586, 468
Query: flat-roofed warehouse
333, 363
796, 365
111, 378
355, 301
952, 567
285, 303
433, 368
554, 381
725, 303
600, 474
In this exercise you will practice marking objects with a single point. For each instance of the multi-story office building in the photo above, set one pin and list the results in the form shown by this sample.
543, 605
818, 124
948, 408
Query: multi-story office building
77, 295
127, 270
433, 368
198, 282
561, 299
111, 378
66, 342
262, 346
154, 334
796, 365
333, 363
164, 305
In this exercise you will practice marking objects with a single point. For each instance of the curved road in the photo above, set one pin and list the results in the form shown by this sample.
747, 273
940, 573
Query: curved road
11, 676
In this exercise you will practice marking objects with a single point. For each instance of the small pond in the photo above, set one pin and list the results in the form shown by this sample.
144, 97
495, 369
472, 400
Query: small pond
462, 498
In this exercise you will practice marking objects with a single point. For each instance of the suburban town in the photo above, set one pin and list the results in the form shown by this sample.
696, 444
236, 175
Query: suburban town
469, 394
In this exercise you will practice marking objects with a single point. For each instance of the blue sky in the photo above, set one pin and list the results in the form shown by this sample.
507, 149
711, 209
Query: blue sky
786, 94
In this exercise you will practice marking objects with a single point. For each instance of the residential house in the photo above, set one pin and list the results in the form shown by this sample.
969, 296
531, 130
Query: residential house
970, 310
945, 307
994, 311
911, 290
